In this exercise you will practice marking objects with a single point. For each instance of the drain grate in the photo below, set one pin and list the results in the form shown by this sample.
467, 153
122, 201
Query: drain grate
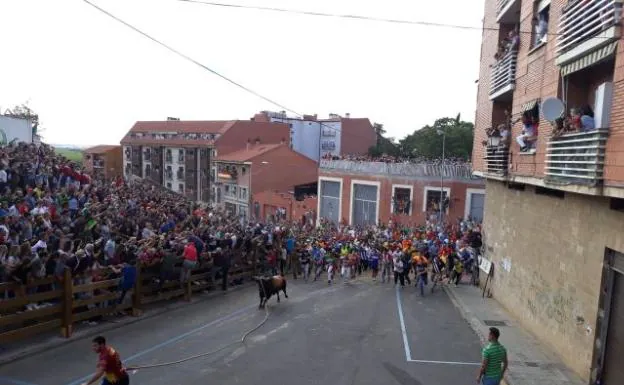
531, 364
489, 322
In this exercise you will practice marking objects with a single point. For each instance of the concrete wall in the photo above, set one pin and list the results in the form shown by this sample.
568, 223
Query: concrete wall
548, 255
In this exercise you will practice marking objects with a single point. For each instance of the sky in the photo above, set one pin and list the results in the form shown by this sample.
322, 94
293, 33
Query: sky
90, 78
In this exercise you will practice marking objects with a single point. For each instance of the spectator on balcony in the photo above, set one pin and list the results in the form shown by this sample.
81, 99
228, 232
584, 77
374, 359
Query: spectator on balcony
529, 133
541, 29
587, 119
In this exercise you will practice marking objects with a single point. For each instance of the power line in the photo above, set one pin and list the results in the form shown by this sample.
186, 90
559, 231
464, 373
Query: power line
214, 72
352, 17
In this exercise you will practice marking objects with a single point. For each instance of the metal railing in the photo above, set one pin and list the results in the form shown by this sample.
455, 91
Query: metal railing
329, 132
584, 19
501, 4
496, 159
450, 171
504, 72
577, 158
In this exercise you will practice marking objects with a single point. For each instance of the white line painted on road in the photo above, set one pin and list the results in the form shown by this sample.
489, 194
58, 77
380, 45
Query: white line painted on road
445, 362
408, 354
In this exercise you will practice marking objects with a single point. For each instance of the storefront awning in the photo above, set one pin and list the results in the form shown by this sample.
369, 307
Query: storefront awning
589, 59
528, 106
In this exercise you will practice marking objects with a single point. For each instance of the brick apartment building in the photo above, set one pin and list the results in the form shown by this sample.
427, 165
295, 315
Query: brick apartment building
262, 180
361, 193
103, 161
554, 212
336, 135
178, 154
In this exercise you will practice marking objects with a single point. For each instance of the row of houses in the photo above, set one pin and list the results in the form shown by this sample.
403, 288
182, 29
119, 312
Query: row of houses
277, 166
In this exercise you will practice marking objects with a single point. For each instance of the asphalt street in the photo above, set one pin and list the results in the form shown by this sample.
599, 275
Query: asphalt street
362, 332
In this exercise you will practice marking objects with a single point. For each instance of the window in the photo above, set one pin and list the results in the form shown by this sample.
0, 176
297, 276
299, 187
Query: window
328, 145
169, 186
180, 172
540, 23
234, 191
180, 187
168, 156
432, 199
148, 170
227, 189
190, 152
527, 140
402, 200
181, 155
243, 193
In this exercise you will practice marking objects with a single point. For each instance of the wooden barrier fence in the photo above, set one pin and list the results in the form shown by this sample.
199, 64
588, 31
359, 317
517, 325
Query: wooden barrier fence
68, 300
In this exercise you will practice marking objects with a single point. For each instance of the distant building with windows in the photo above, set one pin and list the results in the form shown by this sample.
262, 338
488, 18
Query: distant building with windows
103, 161
315, 138
363, 193
247, 181
179, 154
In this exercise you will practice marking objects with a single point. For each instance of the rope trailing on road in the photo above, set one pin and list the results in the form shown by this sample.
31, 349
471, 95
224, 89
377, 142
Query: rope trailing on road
196, 356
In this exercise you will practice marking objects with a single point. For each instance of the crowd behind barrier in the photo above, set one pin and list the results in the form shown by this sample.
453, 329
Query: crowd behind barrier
76, 250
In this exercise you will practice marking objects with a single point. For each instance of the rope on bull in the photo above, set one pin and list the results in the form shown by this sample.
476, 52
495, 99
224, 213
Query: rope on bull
196, 356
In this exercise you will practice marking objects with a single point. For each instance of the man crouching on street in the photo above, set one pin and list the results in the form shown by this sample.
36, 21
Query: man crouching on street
109, 365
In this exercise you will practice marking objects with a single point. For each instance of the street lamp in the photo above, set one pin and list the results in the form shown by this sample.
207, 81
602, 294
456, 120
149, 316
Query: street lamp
443, 133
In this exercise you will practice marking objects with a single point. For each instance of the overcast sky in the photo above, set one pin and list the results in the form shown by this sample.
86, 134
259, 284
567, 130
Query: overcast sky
90, 78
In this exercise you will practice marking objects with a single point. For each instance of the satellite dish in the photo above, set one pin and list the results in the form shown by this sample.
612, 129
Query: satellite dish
552, 109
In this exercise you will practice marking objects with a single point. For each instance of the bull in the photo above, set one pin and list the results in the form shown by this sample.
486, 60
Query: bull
267, 286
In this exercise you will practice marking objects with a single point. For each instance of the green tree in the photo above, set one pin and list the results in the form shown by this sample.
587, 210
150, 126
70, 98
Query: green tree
427, 142
383, 145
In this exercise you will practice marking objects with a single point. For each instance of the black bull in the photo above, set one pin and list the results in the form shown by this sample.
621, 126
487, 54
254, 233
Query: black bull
267, 286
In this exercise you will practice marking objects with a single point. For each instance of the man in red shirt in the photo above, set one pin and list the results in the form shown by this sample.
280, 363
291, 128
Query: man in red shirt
109, 365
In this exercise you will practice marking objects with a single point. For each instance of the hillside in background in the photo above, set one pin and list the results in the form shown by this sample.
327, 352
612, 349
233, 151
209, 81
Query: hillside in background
73, 154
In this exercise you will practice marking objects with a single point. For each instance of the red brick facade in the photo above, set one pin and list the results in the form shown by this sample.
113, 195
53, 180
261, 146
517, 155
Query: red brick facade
458, 195
538, 77
268, 203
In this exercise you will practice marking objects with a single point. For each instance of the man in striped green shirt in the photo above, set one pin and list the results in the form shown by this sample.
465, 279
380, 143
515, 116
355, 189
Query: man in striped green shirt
494, 362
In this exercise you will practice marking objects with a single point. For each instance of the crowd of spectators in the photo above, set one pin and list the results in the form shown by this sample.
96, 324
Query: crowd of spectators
53, 217
398, 159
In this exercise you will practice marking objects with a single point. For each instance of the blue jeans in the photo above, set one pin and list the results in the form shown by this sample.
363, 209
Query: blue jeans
490, 381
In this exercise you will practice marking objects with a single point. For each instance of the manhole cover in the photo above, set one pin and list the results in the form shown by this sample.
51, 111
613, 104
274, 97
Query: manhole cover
531, 364
489, 322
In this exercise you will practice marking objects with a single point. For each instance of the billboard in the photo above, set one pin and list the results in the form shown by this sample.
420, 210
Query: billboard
15, 129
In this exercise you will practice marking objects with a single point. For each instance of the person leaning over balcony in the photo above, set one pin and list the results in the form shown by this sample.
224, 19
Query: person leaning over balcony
529, 132
587, 119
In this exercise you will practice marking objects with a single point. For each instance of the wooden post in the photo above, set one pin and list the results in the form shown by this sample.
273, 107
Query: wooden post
136, 295
254, 256
188, 290
68, 303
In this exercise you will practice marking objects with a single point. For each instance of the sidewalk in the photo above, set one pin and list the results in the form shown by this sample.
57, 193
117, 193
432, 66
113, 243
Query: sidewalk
530, 362
50, 340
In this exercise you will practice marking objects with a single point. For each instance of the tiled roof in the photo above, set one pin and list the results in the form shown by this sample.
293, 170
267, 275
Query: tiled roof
184, 126
101, 149
248, 154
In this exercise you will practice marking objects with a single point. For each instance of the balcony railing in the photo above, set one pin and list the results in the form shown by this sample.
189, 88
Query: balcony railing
450, 171
502, 7
503, 79
583, 19
329, 132
577, 158
496, 158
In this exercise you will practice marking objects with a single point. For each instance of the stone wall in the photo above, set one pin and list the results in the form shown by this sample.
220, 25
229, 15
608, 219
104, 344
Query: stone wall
548, 254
